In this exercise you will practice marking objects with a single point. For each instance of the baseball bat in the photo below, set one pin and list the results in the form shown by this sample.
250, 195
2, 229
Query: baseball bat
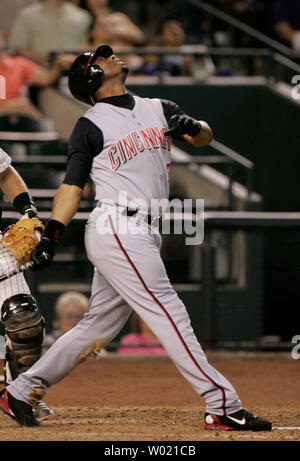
16, 271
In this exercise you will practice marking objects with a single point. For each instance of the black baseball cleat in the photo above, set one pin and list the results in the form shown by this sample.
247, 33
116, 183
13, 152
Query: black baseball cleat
242, 420
20, 411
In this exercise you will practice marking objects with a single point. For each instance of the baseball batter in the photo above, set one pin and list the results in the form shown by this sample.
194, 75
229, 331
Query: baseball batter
121, 142
20, 314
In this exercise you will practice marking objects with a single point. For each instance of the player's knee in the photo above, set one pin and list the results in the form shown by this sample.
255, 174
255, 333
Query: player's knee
24, 332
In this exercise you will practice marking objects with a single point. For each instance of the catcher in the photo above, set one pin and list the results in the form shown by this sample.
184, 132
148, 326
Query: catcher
23, 322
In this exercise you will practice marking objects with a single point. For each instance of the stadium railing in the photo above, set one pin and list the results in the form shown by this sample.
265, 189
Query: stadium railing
243, 27
226, 156
275, 56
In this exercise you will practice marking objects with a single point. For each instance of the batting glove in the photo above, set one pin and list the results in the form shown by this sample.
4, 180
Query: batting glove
183, 124
42, 254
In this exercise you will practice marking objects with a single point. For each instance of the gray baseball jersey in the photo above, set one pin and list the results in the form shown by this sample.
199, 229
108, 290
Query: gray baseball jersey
135, 156
121, 143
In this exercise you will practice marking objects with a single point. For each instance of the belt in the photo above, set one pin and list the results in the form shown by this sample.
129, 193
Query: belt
150, 220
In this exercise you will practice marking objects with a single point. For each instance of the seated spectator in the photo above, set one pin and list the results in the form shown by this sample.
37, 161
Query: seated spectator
17, 74
287, 23
117, 30
69, 309
49, 25
170, 35
141, 341
150, 63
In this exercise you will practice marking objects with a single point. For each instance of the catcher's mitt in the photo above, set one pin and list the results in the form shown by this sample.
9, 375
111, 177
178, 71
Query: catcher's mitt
21, 237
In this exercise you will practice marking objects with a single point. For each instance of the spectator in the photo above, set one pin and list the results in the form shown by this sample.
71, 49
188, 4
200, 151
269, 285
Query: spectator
18, 73
49, 25
150, 63
8, 11
171, 35
117, 30
69, 308
287, 23
141, 341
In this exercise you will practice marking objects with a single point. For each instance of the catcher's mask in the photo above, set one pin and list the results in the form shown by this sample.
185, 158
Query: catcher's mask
85, 77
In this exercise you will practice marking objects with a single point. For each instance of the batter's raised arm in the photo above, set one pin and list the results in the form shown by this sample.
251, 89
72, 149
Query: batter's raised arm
196, 132
183, 127
201, 139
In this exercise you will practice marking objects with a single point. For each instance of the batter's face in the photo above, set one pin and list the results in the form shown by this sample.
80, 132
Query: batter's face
112, 67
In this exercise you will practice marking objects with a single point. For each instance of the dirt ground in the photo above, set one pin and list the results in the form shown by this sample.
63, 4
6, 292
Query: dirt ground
146, 399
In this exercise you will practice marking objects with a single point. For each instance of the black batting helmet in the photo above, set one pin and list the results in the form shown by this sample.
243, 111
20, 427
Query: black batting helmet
85, 77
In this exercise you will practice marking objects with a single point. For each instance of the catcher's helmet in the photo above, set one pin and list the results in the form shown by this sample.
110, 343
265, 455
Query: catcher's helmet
85, 77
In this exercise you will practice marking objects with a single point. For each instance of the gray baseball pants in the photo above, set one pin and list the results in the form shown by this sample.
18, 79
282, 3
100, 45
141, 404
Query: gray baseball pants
129, 275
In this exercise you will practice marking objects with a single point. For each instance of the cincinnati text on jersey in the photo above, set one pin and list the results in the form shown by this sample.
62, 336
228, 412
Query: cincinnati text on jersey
136, 142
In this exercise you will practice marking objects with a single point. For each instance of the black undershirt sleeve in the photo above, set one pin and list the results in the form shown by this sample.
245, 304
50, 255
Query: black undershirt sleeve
85, 143
170, 108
